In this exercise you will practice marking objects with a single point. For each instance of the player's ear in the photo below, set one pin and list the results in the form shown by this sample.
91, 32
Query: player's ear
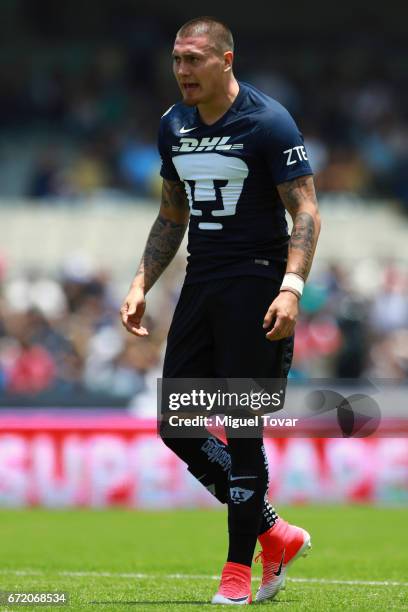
228, 59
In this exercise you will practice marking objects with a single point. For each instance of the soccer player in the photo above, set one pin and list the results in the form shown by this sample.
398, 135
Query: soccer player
233, 160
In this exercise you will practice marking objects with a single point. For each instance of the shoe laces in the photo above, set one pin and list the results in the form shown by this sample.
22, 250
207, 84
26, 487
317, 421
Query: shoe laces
267, 557
260, 557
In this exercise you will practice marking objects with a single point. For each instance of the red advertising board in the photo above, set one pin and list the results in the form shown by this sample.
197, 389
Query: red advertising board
109, 460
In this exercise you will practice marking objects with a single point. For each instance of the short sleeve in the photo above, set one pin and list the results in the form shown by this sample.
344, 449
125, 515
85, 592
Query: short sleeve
284, 147
167, 170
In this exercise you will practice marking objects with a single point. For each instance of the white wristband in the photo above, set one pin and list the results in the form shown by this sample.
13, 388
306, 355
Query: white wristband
293, 282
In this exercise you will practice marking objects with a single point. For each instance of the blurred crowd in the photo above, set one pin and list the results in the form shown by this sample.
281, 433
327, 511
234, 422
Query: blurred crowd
61, 339
89, 112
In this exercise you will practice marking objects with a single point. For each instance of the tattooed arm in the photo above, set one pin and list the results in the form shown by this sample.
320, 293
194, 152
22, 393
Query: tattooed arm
162, 244
165, 236
299, 199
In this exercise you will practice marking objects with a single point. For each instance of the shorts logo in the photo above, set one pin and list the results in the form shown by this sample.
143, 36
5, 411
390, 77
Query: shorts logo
295, 154
239, 495
217, 453
218, 143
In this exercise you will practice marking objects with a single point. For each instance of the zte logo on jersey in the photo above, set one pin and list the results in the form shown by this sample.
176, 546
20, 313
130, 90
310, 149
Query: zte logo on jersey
218, 143
294, 155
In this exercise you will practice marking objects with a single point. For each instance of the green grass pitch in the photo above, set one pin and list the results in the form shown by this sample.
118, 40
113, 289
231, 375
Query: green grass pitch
118, 560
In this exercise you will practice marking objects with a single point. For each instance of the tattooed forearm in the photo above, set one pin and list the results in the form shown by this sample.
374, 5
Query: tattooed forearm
302, 239
162, 244
165, 236
299, 199
173, 194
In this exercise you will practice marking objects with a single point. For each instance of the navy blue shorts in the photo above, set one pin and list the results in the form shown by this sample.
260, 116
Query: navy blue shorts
217, 332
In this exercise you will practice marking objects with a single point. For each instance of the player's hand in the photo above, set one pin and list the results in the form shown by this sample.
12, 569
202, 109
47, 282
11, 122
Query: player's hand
282, 315
132, 312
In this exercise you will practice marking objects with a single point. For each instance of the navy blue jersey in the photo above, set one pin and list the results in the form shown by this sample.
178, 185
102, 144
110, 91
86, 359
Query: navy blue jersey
230, 170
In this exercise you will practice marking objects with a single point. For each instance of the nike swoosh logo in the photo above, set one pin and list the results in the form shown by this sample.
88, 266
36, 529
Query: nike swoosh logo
239, 477
184, 131
278, 573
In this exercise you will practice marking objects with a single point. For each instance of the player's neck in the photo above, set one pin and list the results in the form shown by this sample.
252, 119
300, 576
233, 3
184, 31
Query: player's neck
212, 111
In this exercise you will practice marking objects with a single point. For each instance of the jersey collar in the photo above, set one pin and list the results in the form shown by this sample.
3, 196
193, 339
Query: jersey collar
233, 109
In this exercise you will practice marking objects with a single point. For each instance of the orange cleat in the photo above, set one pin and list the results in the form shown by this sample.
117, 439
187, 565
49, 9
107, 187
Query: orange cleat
235, 585
281, 545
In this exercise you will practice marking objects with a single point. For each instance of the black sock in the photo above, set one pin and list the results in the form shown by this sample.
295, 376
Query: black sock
248, 482
240, 548
209, 460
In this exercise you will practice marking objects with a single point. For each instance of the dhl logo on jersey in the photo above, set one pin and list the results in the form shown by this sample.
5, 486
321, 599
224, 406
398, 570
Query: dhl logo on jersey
217, 143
